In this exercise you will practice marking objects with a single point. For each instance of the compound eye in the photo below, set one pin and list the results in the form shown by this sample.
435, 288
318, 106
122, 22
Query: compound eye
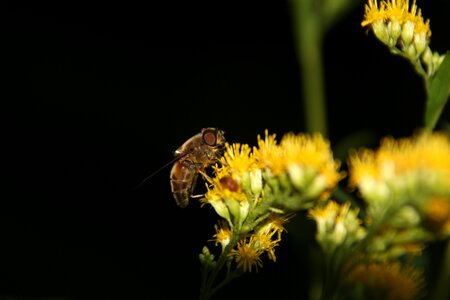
209, 136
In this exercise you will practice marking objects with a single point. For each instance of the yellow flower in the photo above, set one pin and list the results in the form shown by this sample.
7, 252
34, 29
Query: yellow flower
268, 153
373, 13
337, 224
224, 186
238, 158
390, 281
269, 234
308, 160
396, 11
423, 151
226, 196
313, 152
405, 163
402, 28
266, 242
276, 222
363, 166
247, 255
222, 236
239, 162
324, 216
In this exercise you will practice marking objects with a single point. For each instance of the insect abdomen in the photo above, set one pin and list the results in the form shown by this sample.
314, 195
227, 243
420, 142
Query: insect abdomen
182, 181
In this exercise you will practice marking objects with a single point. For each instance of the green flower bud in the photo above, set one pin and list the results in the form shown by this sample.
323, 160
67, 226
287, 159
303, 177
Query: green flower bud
381, 32
411, 52
234, 210
427, 58
407, 34
407, 216
395, 30
256, 183
317, 186
297, 176
420, 42
221, 209
206, 258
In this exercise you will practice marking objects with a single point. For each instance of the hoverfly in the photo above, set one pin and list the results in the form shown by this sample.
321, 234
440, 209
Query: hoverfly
192, 158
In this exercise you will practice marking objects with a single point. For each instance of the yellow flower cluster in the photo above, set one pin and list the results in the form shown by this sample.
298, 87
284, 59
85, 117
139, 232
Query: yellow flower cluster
410, 171
257, 190
248, 178
298, 156
402, 28
397, 13
337, 225
421, 155
264, 240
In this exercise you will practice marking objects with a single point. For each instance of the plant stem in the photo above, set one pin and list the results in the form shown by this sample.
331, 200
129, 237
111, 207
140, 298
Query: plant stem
208, 289
308, 35
441, 290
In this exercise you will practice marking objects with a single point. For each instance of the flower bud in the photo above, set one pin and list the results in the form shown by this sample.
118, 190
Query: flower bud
381, 32
256, 183
420, 42
407, 34
221, 209
394, 30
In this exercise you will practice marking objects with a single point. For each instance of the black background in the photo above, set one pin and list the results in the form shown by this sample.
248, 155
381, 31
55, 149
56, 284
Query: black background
98, 95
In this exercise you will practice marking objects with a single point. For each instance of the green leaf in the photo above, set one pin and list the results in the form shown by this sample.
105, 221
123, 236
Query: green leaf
438, 92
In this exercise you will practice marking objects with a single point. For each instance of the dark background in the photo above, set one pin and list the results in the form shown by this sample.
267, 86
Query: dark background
98, 95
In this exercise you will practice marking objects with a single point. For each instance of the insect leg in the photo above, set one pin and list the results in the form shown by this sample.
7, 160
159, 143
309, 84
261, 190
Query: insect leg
205, 176
198, 196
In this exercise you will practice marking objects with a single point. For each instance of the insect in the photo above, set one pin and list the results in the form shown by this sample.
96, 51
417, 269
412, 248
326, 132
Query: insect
192, 158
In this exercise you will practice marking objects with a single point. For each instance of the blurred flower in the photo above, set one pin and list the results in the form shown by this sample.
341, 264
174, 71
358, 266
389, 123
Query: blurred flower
421, 156
390, 281
404, 171
337, 225
391, 243
437, 215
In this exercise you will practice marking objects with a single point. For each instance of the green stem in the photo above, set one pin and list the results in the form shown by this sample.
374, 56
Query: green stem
308, 35
329, 290
441, 290
225, 281
208, 289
